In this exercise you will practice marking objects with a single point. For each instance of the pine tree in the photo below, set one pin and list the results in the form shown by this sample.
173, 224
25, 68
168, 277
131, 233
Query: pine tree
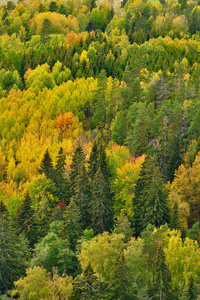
161, 285
61, 182
13, 251
27, 222
46, 166
101, 204
77, 160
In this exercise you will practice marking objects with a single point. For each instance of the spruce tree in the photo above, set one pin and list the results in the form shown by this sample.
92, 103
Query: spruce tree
77, 160
93, 161
174, 222
161, 284
82, 196
13, 251
150, 197
191, 292
27, 222
101, 204
156, 210
174, 160
103, 163
121, 281
46, 166
122, 225
100, 111
88, 287
72, 226
61, 182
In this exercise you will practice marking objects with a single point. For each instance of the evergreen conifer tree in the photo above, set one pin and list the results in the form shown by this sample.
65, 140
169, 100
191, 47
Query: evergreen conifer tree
101, 204
27, 222
150, 197
103, 163
88, 287
46, 166
174, 160
73, 226
62, 184
13, 251
82, 196
191, 292
174, 222
77, 160
121, 281
93, 161
161, 285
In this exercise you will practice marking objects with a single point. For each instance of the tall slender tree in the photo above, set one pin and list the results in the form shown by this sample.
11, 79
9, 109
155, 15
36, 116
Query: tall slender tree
101, 204
27, 221
46, 166
93, 161
82, 196
13, 251
161, 284
77, 160
73, 226
61, 183
150, 197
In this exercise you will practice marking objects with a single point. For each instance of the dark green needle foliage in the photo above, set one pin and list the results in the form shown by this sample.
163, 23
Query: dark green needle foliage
93, 161
174, 222
121, 281
73, 226
103, 163
77, 160
101, 204
174, 160
27, 222
161, 285
150, 197
46, 166
88, 287
61, 182
13, 252
191, 291
82, 197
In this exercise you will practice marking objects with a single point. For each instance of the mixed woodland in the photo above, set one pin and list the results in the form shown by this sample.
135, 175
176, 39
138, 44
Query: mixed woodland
100, 150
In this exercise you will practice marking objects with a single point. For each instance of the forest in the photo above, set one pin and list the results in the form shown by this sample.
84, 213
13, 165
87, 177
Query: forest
100, 150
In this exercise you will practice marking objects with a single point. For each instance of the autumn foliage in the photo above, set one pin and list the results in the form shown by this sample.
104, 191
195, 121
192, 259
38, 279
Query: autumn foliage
66, 123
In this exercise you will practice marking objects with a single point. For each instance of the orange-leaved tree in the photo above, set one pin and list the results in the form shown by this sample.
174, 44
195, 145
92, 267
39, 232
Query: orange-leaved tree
66, 123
